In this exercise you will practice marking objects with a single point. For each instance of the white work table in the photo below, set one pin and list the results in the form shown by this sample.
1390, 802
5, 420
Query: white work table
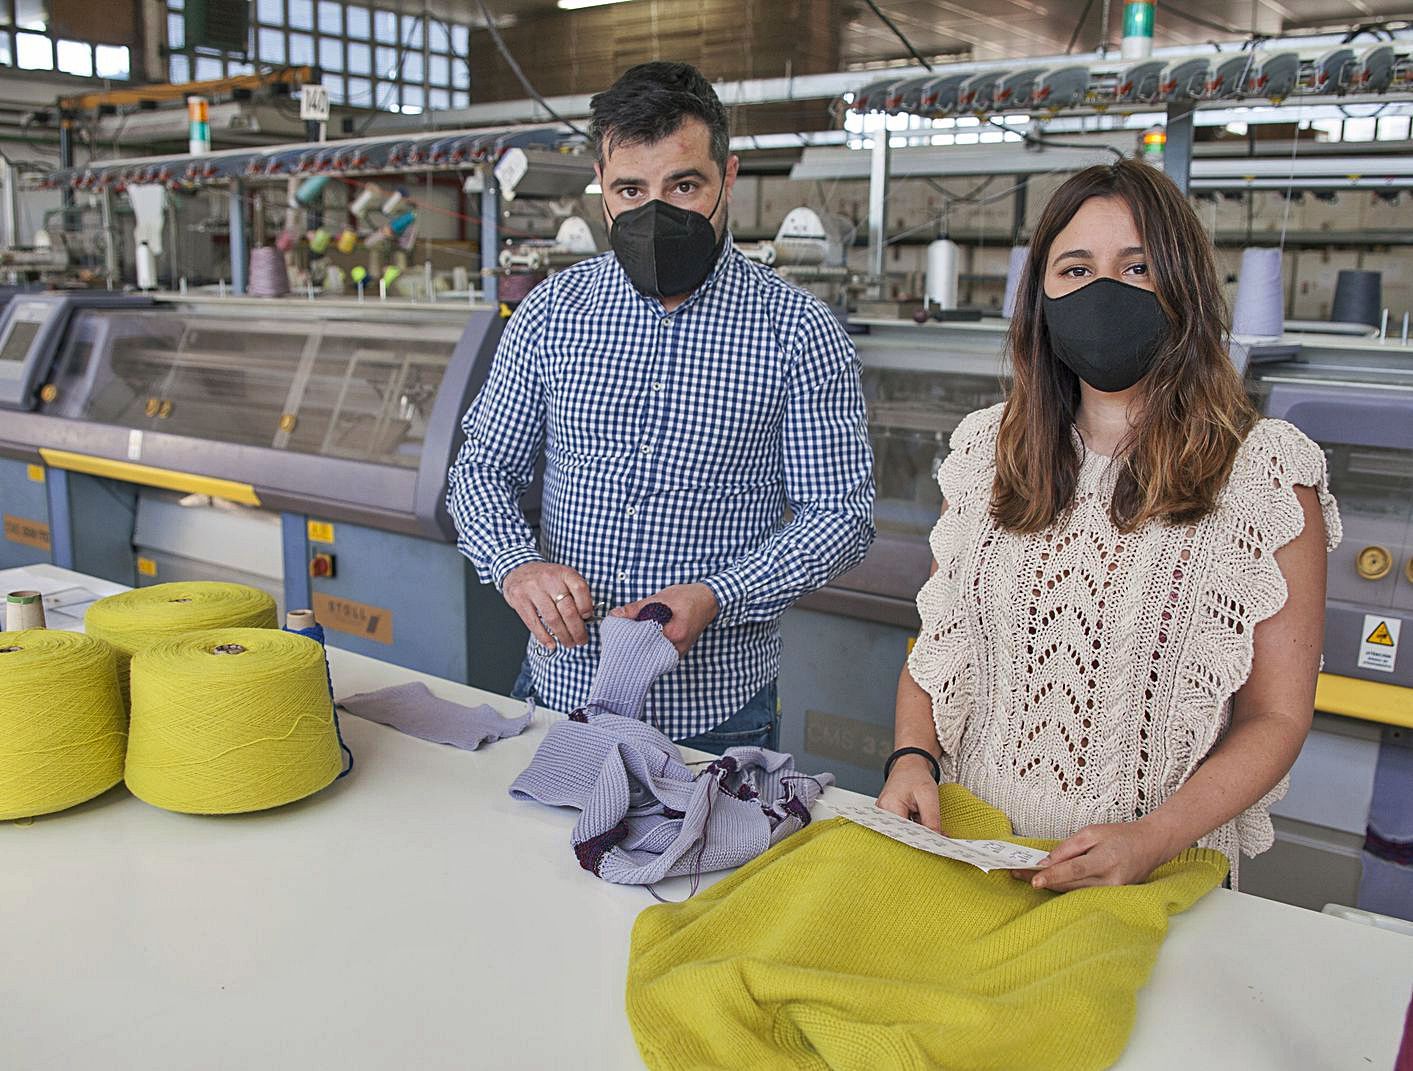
412, 915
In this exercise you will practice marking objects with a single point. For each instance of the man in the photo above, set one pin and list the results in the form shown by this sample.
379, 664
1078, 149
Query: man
684, 397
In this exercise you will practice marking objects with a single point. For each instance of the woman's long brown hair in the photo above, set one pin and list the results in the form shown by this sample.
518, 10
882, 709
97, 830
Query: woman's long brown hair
1196, 412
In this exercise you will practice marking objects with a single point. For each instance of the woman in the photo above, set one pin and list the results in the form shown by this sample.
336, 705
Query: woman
1123, 627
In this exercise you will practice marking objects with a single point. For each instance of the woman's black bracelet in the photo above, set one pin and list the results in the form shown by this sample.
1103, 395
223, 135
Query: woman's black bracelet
931, 761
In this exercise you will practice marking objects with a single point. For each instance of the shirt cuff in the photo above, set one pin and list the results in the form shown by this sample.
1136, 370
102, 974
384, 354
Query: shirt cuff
510, 559
729, 587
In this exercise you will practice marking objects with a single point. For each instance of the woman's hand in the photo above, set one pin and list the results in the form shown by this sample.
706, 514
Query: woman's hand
911, 792
1123, 853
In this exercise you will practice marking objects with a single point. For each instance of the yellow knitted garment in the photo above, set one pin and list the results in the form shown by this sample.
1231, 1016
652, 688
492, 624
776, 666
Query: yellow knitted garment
842, 949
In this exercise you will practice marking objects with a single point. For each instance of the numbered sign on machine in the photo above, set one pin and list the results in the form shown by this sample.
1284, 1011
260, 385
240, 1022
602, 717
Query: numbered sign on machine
314, 103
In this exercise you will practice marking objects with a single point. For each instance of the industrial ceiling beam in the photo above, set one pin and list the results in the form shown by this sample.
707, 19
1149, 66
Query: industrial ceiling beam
291, 76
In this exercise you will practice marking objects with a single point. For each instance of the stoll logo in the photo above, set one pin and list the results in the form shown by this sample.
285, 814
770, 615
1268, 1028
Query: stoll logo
354, 618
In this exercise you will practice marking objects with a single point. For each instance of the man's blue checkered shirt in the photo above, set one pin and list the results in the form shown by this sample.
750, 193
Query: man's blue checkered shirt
674, 444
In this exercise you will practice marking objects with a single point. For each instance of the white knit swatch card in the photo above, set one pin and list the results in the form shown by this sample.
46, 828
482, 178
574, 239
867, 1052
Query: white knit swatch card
985, 855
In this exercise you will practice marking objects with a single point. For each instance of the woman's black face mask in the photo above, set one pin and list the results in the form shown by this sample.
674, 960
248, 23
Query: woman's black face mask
666, 250
1107, 332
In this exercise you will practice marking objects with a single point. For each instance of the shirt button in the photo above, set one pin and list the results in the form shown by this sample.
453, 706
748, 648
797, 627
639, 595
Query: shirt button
632, 512
647, 449
657, 386
666, 321
622, 575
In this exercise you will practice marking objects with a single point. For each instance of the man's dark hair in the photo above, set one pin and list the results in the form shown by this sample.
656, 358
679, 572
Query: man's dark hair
650, 101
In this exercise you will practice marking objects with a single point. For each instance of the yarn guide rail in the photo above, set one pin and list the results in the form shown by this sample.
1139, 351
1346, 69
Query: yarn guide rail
985, 855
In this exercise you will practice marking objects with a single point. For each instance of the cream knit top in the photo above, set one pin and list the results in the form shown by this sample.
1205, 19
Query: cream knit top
1079, 675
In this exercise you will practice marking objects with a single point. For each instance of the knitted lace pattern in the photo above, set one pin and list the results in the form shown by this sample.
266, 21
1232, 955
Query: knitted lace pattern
1080, 675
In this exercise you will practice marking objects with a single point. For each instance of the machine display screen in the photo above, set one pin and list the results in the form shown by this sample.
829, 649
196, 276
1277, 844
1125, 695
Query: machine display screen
21, 337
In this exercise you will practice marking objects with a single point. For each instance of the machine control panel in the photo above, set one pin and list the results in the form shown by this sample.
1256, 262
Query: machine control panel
30, 333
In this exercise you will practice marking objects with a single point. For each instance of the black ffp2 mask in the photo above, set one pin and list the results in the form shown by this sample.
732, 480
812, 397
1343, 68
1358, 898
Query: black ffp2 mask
1107, 332
666, 250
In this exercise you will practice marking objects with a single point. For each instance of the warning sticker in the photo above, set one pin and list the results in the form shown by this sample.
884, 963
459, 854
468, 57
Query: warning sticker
1378, 647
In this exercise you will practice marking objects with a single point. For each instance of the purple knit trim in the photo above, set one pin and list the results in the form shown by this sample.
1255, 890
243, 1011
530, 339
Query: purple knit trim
592, 851
721, 770
655, 611
796, 806
723, 766
668, 812
581, 715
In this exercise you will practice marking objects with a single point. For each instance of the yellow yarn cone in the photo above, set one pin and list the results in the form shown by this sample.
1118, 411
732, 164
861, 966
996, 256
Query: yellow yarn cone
63, 729
231, 720
144, 616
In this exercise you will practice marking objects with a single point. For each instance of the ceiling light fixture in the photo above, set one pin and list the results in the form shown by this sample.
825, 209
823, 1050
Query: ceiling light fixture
575, 5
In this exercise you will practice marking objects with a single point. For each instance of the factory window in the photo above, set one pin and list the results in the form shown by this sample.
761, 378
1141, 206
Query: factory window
272, 45
75, 57
360, 92
35, 52
438, 39
330, 54
1393, 128
301, 49
907, 129
386, 67
369, 56
330, 17
301, 14
439, 70
1359, 129
31, 15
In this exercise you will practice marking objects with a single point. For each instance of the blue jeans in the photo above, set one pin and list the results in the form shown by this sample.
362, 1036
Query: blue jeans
757, 724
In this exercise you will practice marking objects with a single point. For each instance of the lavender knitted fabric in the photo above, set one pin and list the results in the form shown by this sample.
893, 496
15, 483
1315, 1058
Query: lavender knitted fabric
413, 709
634, 655
645, 814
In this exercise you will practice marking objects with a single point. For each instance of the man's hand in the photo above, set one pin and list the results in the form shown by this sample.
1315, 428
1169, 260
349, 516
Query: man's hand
1122, 853
693, 608
552, 600
912, 793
